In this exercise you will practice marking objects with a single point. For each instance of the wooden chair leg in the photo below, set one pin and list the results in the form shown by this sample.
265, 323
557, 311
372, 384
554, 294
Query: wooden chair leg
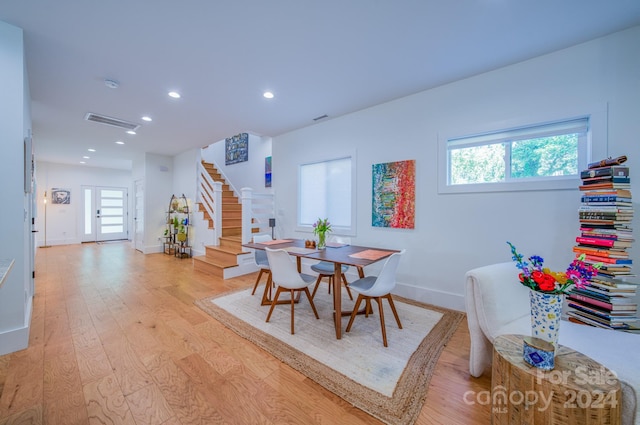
354, 312
315, 288
384, 330
266, 296
313, 306
274, 302
293, 303
393, 309
270, 283
255, 286
346, 285
367, 307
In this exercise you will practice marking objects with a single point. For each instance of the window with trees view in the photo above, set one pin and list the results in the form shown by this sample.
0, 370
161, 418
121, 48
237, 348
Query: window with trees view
552, 151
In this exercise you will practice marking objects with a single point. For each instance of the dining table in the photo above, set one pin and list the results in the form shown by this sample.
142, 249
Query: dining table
337, 253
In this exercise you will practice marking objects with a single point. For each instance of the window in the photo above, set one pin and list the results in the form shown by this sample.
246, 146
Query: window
533, 157
326, 192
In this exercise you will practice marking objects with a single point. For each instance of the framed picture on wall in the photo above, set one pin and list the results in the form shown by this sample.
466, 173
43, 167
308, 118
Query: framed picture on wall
236, 149
394, 186
267, 172
60, 196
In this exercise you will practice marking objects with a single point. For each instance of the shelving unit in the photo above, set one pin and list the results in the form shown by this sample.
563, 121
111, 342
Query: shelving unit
605, 215
176, 234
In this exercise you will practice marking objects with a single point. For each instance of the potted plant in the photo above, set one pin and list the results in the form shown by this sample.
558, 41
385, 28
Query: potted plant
321, 228
182, 234
176, 223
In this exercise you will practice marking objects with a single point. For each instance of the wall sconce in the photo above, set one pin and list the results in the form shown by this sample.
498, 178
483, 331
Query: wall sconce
272, 224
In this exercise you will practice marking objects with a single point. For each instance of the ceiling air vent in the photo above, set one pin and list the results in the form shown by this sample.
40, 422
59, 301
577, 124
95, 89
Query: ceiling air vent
115, 122
321, 117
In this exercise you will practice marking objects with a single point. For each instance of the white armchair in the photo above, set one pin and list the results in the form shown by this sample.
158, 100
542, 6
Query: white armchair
497, 304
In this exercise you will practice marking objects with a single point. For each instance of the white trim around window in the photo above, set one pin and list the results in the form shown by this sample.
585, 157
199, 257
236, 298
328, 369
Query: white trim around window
596, 146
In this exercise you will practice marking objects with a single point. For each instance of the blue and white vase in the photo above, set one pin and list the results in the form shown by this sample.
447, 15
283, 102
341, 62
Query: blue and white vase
546, 310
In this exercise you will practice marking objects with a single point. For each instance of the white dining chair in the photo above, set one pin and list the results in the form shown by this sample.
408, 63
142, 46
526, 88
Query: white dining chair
377, 288
261, 260
285, 276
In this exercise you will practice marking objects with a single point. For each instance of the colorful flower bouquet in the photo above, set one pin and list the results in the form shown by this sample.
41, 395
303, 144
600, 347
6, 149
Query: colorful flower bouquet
541, 279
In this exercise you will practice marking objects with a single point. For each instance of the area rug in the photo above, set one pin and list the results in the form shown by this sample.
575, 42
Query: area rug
388, 383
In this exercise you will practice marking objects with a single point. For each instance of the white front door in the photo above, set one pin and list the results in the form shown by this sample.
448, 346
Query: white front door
105, 213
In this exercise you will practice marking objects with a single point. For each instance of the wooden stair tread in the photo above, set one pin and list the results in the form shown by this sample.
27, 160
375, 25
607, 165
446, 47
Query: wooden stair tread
228, 250
220, 264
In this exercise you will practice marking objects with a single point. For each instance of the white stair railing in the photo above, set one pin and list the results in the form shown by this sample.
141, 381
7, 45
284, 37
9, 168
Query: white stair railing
257, 209
210, 196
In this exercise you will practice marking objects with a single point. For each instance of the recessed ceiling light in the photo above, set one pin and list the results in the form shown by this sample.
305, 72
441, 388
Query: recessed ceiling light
86, 157
91, 150
174, 94
131, 132
268, 95
112, 84
147, 118
82, 162
119, 142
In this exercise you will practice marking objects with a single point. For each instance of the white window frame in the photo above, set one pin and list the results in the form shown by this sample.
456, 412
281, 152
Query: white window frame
339, 230
594, 146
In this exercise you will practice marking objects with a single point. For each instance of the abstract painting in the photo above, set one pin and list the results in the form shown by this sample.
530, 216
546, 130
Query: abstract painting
236, 149
394, 186
267, 172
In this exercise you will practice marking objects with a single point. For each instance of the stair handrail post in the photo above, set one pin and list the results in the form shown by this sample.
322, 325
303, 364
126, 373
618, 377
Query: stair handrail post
217, 213
247, 197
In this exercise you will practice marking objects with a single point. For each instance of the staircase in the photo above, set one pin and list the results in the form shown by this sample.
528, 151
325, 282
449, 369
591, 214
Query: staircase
225, 256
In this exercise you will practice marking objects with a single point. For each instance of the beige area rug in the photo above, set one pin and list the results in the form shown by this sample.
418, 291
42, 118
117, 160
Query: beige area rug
388, 383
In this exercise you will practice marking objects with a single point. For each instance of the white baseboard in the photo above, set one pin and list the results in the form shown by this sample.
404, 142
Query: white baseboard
152, 249
430, 296
17, 339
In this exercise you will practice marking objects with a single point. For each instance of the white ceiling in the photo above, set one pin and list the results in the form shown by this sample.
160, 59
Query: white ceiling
324, 57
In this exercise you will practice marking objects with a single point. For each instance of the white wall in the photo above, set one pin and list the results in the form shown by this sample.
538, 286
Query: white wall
158, 188
64, 222
15, 125
457, 232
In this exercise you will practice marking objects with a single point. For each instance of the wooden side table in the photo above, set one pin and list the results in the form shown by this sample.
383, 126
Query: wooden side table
578, 390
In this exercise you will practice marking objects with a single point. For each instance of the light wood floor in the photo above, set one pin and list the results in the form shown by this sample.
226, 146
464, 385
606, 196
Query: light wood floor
116, 339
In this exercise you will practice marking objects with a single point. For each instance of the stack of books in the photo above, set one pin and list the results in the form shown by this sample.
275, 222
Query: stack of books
605, 218
604, 302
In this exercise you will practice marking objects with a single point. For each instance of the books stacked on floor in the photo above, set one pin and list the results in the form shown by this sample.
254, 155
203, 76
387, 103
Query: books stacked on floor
605, 215
604, 302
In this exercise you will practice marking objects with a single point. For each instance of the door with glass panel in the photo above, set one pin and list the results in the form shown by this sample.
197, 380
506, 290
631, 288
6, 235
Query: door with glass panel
105, 213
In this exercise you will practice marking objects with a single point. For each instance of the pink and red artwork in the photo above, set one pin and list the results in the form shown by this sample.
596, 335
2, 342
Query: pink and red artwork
394, 185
